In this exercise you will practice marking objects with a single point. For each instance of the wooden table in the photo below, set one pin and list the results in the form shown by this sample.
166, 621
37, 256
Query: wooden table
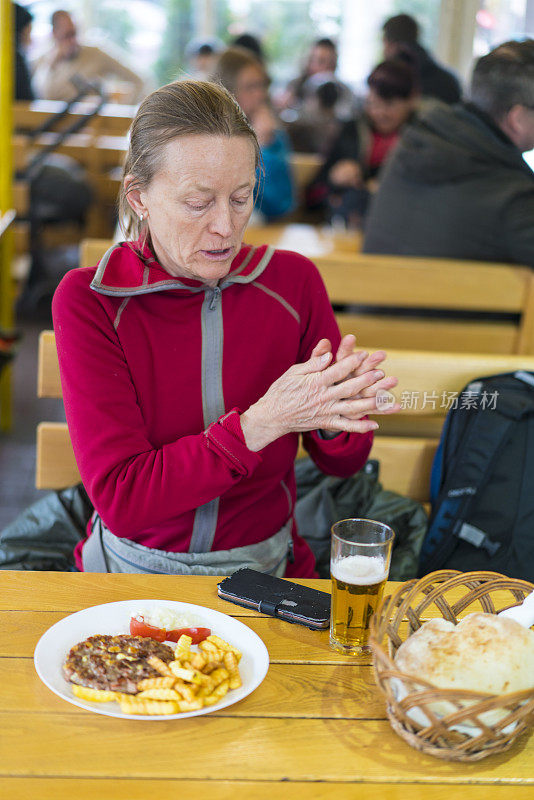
310, 240
315, 728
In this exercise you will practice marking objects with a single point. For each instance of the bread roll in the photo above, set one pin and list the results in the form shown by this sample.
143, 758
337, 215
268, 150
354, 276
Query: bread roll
483, 653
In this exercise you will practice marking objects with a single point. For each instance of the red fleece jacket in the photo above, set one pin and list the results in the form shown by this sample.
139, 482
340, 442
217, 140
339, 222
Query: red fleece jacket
129, 339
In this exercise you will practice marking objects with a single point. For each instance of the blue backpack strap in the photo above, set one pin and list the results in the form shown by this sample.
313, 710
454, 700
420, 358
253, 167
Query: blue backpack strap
436, 474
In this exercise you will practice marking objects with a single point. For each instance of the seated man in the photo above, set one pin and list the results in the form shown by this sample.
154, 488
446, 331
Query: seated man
400, 36
457, 185
69, 59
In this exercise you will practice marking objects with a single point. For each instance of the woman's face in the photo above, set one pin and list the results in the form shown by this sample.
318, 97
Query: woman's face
388, 116
198, 204
251, 89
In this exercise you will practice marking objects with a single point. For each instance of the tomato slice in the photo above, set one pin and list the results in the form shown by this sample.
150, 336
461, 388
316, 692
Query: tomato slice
138, 627
196, 634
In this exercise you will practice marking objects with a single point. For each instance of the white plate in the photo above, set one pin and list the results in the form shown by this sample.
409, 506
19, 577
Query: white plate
114, 618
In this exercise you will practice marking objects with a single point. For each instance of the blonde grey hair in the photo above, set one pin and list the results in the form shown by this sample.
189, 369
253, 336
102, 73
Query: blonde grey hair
182, 108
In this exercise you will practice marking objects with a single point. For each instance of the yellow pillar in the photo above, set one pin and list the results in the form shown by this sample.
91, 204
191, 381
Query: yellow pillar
6, 194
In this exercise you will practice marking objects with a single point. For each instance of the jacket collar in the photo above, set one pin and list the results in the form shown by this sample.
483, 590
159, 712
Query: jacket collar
129, 268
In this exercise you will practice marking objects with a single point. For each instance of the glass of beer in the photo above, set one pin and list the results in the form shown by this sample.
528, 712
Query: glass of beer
359, 566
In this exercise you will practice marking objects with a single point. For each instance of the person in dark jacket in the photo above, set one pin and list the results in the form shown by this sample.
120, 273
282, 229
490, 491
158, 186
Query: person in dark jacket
457, 185
344, 182
23, 82
400, 38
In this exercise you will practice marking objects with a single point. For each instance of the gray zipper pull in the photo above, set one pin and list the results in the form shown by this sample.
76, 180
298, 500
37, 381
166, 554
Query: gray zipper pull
214, 298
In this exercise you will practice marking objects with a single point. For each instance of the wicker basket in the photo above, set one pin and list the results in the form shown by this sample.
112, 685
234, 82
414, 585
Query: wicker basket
463, 732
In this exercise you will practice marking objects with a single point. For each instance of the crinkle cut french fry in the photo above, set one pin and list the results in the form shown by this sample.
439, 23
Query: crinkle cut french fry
158, 694
217, 694
94, 695
211, 652
159, 665
184, 642
197, 661
204, 680
135, 706
193, 705
120, 696
211, 666
184, 674
230, 662
219, 675
185, 691
183, 647
222, 645
155, 683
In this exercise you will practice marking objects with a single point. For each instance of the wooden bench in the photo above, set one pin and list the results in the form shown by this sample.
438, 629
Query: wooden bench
113, 119
100, 155
396, 294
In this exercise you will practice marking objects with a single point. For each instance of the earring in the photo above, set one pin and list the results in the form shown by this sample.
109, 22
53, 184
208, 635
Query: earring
141, 217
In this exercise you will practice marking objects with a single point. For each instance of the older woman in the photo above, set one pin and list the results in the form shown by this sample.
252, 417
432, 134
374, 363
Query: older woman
190, 363
245, 77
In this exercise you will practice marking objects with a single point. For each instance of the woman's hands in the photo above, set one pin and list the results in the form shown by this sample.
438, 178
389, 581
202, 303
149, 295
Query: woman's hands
321, 394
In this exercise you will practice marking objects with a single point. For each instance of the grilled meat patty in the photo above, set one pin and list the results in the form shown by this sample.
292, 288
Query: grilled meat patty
115, 663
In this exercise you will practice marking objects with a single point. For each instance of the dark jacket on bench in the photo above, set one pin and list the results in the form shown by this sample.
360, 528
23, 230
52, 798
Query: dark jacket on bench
456, 187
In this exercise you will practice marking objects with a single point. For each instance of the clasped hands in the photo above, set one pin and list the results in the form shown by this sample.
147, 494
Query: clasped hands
324, 393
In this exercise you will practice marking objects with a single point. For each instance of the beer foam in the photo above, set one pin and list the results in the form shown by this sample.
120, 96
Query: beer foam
359, 570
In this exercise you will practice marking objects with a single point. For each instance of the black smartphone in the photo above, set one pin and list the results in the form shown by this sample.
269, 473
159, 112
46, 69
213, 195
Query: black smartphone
277, 597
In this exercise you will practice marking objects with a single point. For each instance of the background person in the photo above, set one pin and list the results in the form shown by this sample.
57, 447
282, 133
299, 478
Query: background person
23, 27
245, 77
190, 363
400, 35
457, 185
321, 61
314, 106
201, 56
351, 170
251, 43
68, 58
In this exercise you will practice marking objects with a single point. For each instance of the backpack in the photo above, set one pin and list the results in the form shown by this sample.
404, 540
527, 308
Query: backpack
482, 481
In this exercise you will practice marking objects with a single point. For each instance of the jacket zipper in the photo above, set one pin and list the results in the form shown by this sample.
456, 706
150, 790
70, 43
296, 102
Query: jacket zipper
214, 298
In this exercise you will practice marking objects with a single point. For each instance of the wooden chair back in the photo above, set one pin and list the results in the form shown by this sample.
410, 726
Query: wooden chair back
432, 304
430, 384
92, 250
